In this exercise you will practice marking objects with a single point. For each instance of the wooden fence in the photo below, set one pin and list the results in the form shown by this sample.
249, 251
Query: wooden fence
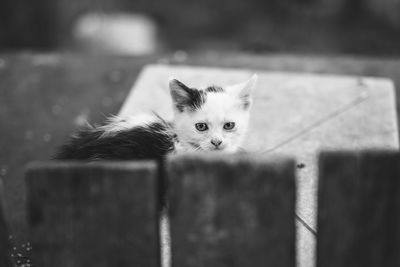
223, 211
359, 210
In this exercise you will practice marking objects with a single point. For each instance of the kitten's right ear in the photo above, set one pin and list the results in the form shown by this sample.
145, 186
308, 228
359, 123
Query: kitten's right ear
244, 90
180, 93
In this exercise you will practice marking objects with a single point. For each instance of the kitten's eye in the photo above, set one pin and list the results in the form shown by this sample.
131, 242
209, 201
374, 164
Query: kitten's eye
201, 126
229, 126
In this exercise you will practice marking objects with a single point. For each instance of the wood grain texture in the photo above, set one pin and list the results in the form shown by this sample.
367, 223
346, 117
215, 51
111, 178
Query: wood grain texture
359, 204
231, 211
93, 214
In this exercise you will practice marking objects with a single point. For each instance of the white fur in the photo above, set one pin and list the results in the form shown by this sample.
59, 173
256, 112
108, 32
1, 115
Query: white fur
219, 108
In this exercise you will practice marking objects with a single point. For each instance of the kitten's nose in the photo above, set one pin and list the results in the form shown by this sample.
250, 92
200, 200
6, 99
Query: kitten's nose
216, 142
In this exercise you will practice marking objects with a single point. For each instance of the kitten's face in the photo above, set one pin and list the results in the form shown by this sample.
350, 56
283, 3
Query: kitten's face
214, 118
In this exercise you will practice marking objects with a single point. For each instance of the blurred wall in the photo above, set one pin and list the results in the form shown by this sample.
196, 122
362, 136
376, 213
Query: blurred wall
385, 10
28, 24
44, 24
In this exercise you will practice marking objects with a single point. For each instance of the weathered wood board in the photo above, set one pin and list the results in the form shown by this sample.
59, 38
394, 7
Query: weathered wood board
359, 209
293, 114
231, 211
74, 207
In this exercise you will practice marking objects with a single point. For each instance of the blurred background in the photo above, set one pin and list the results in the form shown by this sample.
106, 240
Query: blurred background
138, 27
64, 63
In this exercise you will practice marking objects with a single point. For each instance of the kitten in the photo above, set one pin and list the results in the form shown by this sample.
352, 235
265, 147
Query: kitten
208, 119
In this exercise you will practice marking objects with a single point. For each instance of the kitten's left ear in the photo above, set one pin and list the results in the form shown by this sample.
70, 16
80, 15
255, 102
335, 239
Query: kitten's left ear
181, 94
244, 90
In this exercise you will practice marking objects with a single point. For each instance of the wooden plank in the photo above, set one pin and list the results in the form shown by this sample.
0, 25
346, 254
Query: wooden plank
5, 259
359, 209
231, 211
100, 214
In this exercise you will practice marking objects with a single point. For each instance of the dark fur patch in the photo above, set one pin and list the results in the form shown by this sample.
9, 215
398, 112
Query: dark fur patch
145, 142
197, 99
214, 89
191, 98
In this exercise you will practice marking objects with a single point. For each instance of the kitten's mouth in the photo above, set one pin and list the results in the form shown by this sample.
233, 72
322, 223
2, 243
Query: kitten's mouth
199, 148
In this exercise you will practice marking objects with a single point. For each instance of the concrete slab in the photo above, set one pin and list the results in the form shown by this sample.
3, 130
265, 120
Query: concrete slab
305, 247
293, 114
